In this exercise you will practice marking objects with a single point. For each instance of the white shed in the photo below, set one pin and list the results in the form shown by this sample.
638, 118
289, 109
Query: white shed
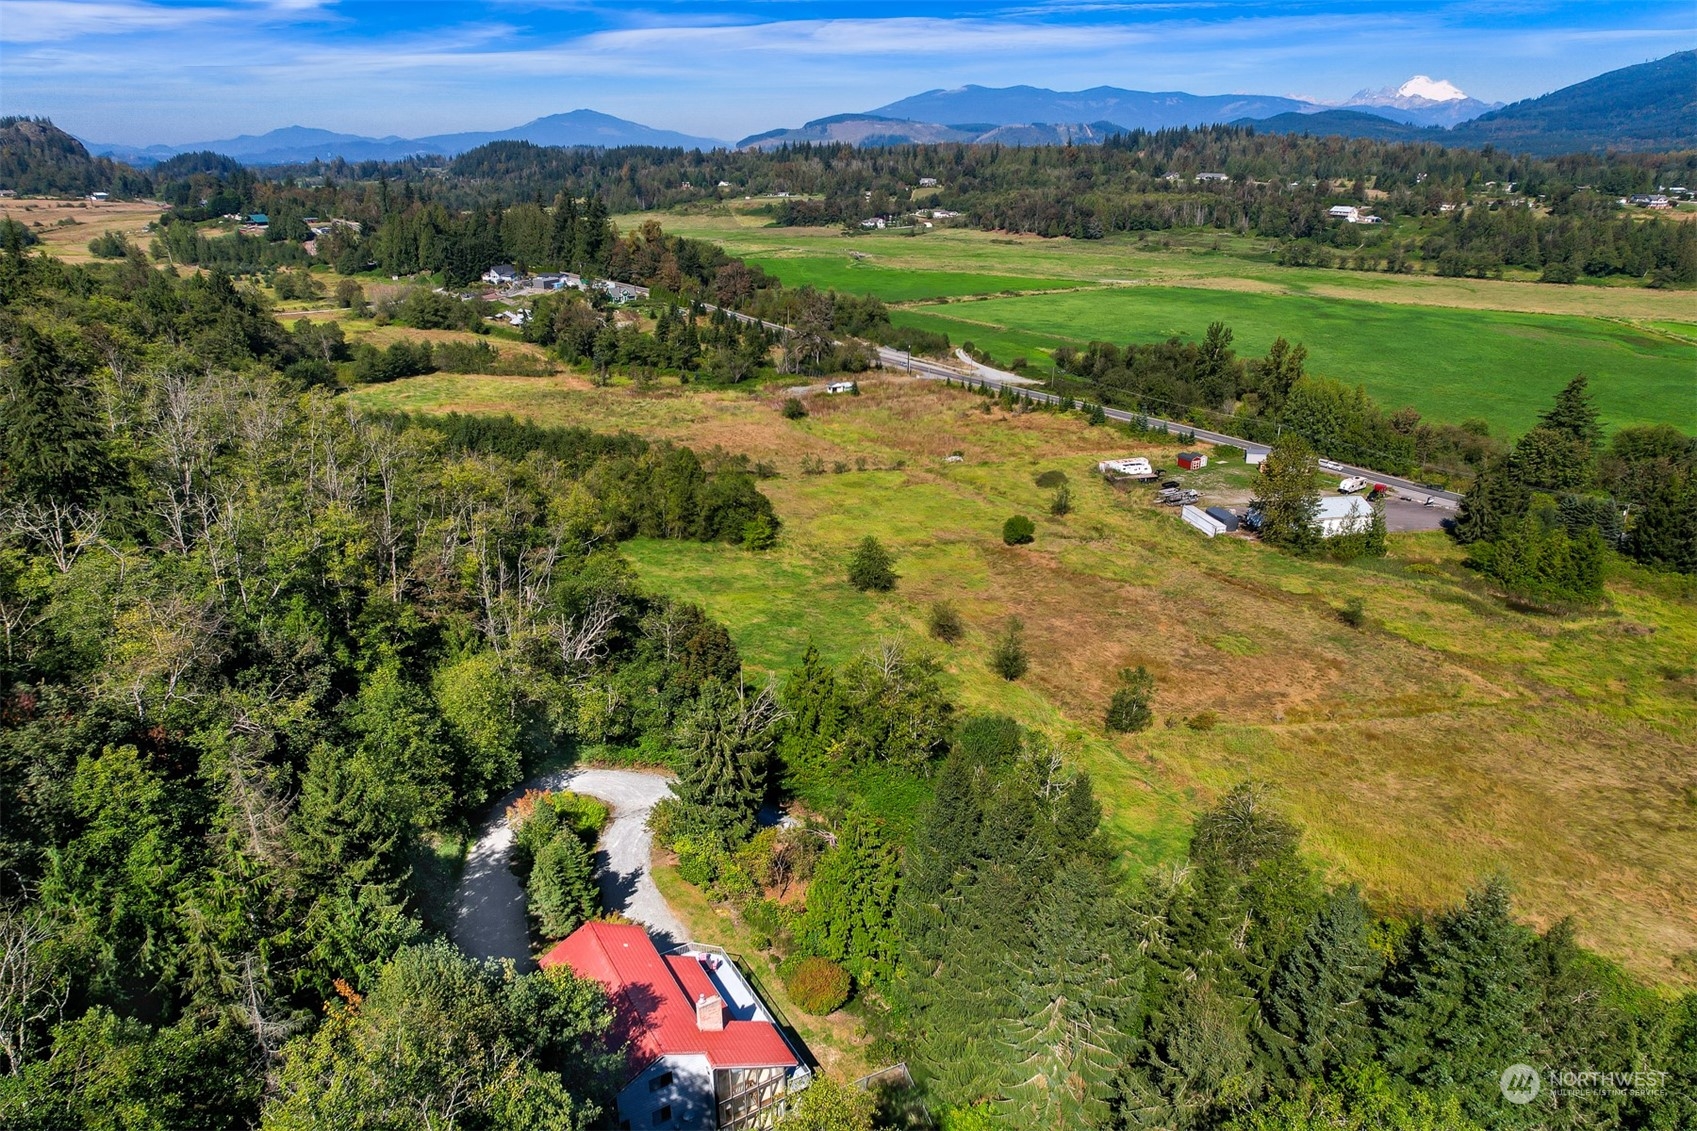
1348, 514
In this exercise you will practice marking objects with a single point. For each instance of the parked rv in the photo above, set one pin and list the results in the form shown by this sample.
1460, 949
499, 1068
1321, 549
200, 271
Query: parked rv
1351, 485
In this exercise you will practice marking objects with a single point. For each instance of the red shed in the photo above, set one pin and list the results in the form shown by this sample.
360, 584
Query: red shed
1190, 461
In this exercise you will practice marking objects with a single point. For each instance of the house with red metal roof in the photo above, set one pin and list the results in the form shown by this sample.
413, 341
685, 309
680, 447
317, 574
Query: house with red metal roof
704, 1050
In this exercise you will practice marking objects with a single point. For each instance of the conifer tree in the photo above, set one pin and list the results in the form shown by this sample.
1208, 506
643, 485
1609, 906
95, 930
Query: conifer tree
1074, 1005
724, 741
1286, 497
1316, 1007
1456, 1010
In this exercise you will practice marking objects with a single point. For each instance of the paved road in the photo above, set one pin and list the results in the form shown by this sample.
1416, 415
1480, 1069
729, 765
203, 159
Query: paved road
996, 379
489, 919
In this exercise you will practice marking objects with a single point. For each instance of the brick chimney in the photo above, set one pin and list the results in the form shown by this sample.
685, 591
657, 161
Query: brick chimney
709, 1013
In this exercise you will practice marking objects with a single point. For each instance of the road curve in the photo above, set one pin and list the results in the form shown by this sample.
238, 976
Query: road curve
488, 904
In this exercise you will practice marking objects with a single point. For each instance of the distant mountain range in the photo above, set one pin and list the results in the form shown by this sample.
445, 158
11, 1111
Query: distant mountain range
1028, 115
297, 144
876, 130
1646, 107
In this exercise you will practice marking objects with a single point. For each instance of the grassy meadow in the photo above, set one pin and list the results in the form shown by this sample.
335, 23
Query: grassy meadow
1453, 348
1448, 738
1503, 367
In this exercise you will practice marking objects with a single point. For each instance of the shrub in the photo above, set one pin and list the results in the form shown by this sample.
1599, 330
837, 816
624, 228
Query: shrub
794, 410
757, 534
1051, 479
109, 245
817, 986
944, 623
765, 920
1018, 530
1202, 721
870, 566
1128, 710
1061, 502
539, 816
1353, 613
1008, 658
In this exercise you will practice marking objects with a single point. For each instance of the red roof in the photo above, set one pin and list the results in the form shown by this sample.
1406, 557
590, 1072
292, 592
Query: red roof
654, 997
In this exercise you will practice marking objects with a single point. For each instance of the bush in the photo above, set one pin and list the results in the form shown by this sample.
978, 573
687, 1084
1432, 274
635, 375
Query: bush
1018, 530
944, 623
1353, 613
1128, 710
817, 986
1008, 658
109, 245
1202, 721
539, 816
1051, 479
1061, 502
758, 534
870, 566
794, 410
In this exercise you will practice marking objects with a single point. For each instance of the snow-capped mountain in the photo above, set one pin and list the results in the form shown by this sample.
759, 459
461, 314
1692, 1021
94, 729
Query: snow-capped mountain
1422, 101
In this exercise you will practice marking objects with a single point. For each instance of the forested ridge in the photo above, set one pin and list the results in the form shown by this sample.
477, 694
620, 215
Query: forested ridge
265, 658
1446, 211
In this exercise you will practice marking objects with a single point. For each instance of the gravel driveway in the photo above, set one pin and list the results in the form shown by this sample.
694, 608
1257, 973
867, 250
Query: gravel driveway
489, 917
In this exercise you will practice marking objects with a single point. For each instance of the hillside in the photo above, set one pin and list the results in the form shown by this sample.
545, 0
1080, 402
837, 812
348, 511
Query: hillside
1344, 123
299, 144
872, 130
1132, 109
1652, 106
37, 157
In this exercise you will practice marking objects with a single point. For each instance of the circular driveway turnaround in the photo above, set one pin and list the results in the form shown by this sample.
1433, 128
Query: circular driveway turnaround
489, 920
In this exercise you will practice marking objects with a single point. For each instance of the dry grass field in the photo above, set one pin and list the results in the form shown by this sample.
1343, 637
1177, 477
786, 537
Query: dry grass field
1448, 738
64, 227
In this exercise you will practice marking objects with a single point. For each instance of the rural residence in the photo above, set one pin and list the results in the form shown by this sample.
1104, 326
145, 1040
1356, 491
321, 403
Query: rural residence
704, 1049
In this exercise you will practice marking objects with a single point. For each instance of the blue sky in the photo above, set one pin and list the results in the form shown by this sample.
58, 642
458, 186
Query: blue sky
173, 71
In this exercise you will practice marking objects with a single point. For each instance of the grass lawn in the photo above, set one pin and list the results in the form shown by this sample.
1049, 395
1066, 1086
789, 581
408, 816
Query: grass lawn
1500, 366
1447, 739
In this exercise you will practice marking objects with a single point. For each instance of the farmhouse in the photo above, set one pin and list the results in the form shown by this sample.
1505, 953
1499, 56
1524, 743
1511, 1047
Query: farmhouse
704, 1050
1345, 212
927, 182
501, 273
1203, 178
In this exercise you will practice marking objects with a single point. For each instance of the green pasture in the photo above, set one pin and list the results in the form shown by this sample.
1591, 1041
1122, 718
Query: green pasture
1421, 751
895, 283
1499, 366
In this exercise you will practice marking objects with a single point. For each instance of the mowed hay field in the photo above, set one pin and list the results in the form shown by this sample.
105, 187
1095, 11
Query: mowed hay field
1452, 348
64, 227
1447, 739
1499, 366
